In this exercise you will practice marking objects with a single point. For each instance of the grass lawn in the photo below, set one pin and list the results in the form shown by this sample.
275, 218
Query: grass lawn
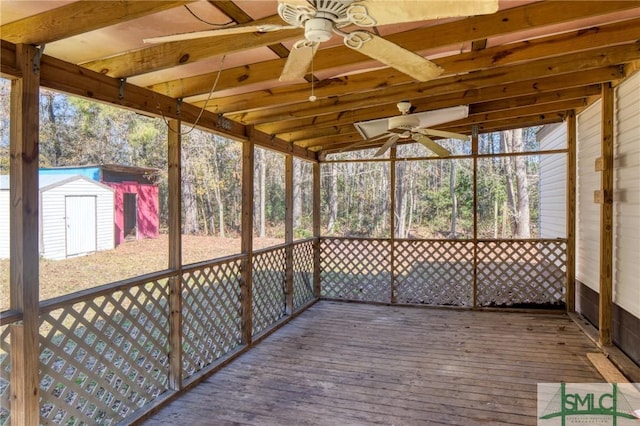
59, 277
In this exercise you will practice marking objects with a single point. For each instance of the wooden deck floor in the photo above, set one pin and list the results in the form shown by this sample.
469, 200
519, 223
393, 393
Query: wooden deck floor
355, 364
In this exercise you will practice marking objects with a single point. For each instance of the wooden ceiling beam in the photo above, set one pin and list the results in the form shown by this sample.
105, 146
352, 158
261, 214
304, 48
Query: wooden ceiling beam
72, 79
234, 12
176, 53
538, 69
80, 17
453, 33
463, 96
545, 47
478, 113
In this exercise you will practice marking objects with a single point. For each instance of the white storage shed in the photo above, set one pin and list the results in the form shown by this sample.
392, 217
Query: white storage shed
76, 216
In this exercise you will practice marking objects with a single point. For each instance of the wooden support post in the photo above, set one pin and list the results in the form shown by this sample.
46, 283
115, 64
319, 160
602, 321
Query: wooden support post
288, 233
316, 231
175, 255
24, 241
474, 152
570, 293
246, 290
606, 219
392, 221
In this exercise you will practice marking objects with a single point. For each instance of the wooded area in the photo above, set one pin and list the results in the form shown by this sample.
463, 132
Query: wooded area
434, 198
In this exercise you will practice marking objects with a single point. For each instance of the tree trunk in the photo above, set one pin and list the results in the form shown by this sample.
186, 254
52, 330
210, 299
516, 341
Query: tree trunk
400, 208
522, 184
190, 223
507, 144
333, 197
297, 194
454, 200
216, 191
262, 187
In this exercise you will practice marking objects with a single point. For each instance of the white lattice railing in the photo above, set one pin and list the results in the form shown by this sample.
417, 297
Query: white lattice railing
104, 352
501, 273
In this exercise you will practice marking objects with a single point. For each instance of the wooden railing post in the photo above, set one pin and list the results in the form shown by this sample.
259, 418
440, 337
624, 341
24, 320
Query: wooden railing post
316, 230
606, 218
392, 222
246, 289
175, 255
24, 240
474, 152
288, 234
570, 292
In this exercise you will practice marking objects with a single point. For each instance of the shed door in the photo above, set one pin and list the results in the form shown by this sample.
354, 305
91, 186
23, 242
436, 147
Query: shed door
80, 224
130, 216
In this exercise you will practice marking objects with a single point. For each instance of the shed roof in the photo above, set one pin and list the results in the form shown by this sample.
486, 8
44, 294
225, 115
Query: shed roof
46, 182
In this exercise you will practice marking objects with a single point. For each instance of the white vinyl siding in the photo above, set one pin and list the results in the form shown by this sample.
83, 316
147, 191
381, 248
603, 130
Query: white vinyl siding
4, 223
53, 221
588, 180
626, 206
553, 185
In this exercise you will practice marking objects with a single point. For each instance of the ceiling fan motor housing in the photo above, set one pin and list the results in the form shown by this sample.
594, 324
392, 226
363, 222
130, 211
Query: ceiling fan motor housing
404, 122
318, 30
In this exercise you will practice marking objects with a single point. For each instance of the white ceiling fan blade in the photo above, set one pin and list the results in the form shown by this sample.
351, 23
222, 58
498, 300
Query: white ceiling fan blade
236, 29
393, 55
380, 13
295, 2
299, 59
443, 134
430, 144
388, 144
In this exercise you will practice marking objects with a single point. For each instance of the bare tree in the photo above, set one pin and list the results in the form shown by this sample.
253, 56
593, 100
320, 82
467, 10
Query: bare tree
454, 201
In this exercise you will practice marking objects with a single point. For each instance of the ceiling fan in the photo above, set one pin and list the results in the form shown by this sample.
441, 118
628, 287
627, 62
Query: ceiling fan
413, 127
322, 18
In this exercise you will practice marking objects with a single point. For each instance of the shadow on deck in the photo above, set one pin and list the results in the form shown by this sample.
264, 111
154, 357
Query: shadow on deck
345, 363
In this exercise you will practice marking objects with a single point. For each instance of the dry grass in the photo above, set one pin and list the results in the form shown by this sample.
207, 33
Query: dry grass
59, 277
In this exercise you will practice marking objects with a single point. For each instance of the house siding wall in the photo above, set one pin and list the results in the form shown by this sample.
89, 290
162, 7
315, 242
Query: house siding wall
588, 213
4, 224
553, 185
626, 206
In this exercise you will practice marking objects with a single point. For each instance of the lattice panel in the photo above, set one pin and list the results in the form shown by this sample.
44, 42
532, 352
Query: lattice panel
210, 314
268, 279
302, 274
103, 358
5, 376
434, 272
521, 273
356, 269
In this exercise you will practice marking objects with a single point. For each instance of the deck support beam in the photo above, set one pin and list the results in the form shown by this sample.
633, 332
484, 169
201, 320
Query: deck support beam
316, 230
246, 243
175, 254
24, 241
606, 218
392, 220
474, 152
288, 233
570, 293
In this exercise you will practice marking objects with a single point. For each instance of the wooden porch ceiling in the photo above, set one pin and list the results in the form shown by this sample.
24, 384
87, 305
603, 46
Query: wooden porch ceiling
528, 64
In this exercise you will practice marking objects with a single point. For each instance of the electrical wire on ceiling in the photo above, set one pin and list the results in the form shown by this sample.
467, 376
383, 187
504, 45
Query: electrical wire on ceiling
204, 107
213, 24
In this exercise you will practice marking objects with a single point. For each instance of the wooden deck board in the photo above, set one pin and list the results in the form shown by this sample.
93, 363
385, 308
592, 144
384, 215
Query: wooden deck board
351, 364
